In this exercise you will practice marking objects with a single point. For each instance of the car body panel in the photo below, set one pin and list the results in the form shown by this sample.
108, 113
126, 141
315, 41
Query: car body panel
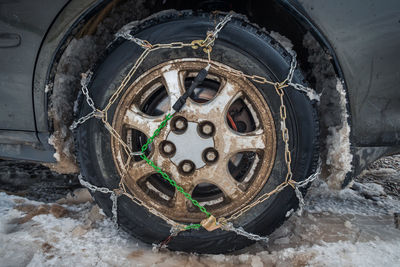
27, 21
366, 39
25, 146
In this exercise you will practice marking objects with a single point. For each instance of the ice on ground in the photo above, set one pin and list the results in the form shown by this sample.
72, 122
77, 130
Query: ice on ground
352, 227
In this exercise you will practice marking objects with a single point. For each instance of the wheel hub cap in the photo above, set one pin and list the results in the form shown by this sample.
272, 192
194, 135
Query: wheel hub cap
189, 145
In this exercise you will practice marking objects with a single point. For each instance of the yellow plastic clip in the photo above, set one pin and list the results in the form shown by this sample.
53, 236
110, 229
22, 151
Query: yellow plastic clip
210, 224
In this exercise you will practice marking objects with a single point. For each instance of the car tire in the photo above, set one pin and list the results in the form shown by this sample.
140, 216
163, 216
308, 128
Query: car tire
240, 45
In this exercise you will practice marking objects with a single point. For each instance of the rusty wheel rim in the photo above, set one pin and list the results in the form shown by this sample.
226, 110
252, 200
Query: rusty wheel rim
130, 116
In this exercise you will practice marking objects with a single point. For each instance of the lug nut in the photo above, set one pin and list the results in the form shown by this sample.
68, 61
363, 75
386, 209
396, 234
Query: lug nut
206, 129
187, 167
210, 155
179, 124
167, 148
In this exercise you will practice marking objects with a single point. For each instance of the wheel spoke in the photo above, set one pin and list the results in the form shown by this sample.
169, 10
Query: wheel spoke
138, 170
138, 120
173, 85
219, 176
215, 109
226, 95
231, 143
166, 166
179, 200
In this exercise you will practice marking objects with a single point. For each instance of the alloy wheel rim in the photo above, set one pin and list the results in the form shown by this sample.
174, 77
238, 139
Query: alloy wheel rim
213, 183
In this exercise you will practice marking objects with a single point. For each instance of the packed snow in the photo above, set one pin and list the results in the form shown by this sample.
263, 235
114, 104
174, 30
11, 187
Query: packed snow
352, 227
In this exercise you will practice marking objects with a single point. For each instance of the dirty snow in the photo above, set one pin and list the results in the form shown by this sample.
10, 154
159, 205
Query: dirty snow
284, 41
333, 116
358, 226
339, 157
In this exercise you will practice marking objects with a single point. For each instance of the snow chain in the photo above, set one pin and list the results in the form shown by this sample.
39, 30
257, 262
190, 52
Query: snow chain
211, 223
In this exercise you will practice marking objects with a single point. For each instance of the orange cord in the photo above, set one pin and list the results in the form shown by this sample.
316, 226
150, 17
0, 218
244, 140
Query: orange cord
231, 122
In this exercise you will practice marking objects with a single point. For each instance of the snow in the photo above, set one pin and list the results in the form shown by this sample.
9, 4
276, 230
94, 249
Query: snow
61, 111
48, 240
284, 41
352, 227
339, 157
333, 114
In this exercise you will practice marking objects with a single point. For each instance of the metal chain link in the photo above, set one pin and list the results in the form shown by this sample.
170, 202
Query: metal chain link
241, 231
305, 183
104, 190
310, 92
114, 208
207, 43
82, 120
93, 188
126, 35
86, 77
211, 36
